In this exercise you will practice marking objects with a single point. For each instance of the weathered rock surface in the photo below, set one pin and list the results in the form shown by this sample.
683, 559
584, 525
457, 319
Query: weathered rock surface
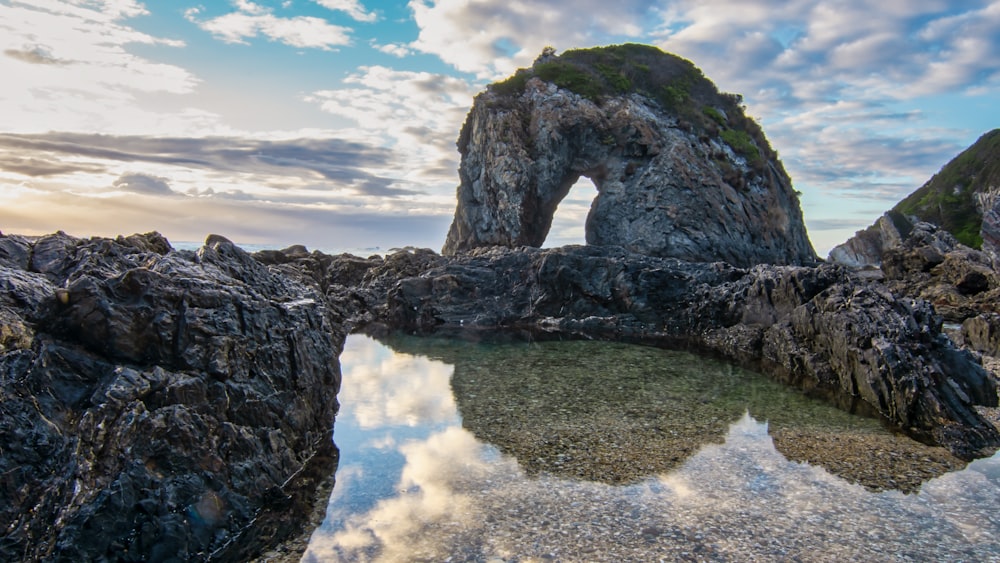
990, 231
686, 176
866, 247
930, 264
158, 405
982, 333
820, 328
961, 198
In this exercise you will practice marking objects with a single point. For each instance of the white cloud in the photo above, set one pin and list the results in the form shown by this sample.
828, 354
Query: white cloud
252, 20
394, 49
352, 8
66, 66
417, 114
492, 39
392, 389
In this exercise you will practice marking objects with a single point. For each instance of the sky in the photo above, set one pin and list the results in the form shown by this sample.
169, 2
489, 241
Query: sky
332, 123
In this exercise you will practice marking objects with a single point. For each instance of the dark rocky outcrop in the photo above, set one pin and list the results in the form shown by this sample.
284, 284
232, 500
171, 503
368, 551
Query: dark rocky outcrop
930, 264
982, 333
158, 405
680, 170
961, 199
819, 328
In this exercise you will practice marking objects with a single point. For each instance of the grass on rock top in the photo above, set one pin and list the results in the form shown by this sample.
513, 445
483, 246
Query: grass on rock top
673, 83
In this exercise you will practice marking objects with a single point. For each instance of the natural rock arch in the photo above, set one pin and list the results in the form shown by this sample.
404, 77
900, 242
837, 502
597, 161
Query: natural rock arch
666, 186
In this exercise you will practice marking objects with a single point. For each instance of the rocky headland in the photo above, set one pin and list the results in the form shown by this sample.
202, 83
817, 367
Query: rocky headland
961, 199
680, 170
159, 404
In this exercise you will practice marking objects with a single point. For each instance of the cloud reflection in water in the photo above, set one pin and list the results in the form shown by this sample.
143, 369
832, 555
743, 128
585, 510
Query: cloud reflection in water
455, 497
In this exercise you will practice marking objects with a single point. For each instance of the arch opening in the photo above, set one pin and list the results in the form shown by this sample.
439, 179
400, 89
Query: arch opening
569, 221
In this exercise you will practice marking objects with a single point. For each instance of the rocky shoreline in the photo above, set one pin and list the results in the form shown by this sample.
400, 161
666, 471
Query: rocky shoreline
158, 404
181, 402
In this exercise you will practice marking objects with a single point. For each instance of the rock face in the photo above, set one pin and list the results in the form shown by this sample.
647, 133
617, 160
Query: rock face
982, 333
962, 198
990, 231
930, 264
819, 328
158, 405
866, 247
680, 171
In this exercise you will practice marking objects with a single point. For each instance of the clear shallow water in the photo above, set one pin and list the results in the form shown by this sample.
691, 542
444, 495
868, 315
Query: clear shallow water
590, 451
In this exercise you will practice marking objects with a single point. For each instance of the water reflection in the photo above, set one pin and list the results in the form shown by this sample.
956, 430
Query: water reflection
415, 488
618, 413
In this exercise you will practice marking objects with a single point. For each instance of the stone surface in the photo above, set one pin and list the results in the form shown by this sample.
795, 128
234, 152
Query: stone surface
866, 247
990, 232
665, 187
158, 405
982, 333
930, 264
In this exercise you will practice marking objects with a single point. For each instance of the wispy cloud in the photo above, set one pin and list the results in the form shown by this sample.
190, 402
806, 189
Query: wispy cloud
328, 164
36, 55
353, 8
143, 184
496, 38
418, 114
68, 65
37, 167
253, 20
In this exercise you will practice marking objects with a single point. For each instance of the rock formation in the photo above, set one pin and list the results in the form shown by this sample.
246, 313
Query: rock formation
680, 170
158, 405
961, 198
819, 328
930, 264
866, 247
174, 405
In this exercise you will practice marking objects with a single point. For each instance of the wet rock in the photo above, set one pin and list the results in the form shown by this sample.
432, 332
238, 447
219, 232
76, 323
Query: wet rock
156, 404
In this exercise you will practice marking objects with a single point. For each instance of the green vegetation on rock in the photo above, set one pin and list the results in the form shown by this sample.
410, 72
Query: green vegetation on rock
948, 199
741, 142
673, 83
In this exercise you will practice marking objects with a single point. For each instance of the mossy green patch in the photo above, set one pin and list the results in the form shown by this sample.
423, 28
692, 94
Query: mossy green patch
949, 198
675, 84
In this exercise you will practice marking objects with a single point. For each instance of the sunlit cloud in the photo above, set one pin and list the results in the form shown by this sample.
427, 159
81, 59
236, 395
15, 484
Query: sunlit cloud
386, 388
417, 114
253, 20
497, 38
352, 8
394, 49
68, 66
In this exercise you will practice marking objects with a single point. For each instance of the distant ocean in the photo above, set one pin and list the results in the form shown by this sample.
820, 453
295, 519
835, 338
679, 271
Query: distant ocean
364, 252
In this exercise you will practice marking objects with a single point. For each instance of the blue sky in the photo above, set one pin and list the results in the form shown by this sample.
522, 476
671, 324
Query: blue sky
332, 123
